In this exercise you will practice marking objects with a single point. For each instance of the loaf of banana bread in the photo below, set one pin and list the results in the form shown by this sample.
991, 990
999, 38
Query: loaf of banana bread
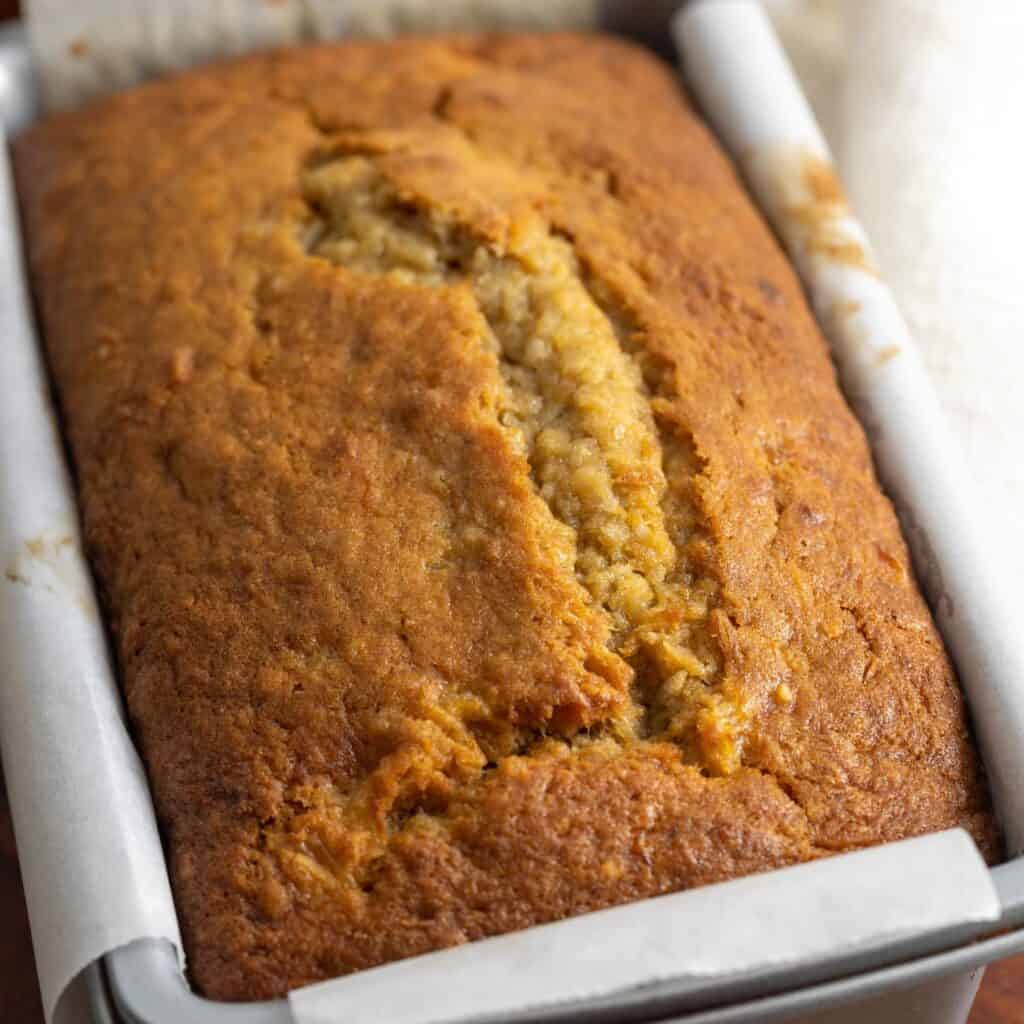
483, 535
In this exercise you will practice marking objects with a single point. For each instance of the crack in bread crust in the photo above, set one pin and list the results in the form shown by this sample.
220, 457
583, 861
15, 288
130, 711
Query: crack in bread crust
574, 401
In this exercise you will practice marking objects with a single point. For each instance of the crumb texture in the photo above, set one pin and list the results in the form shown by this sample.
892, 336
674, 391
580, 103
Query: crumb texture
482, 533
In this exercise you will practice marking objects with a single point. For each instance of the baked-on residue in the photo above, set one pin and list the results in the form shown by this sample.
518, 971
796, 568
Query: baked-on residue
482, 532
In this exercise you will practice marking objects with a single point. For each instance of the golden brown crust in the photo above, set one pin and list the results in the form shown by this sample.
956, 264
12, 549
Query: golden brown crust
380, 713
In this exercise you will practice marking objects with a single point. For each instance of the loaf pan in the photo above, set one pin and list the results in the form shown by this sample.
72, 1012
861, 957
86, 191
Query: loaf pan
141, 983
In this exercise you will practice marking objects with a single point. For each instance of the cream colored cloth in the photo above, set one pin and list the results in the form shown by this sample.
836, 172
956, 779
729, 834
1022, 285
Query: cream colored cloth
923, 104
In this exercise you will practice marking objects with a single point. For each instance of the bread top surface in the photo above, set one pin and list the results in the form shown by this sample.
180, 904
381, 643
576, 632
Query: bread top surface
483, 535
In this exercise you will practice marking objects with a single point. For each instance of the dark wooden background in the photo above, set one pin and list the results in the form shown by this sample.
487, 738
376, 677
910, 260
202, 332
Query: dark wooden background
1000, 1001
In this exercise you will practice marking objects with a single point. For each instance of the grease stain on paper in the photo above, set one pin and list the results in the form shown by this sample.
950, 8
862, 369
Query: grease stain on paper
811, 203
886, 354
822, 213
56, 553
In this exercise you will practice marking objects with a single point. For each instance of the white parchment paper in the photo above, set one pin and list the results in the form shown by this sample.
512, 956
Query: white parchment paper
90, 853
86, 48
838, 907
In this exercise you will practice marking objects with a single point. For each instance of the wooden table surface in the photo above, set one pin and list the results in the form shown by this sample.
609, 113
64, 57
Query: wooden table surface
1000, 1001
